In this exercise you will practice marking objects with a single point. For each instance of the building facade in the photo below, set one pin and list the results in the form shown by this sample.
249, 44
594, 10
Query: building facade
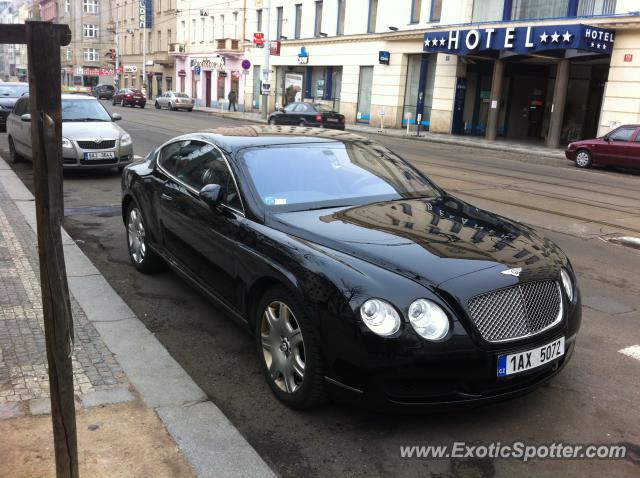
88, 59
376, 62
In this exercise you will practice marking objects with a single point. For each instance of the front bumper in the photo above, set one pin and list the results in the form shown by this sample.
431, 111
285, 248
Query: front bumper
462, 374
570, 154
74, 158
4, 114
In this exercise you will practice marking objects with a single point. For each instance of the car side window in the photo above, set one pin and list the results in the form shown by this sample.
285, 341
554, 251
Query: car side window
622, 134
638, 137
301, 108
19, 108
170, 155
289, 108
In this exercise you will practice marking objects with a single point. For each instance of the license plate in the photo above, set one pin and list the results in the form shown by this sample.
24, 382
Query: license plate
100, 155
509, 364
332, 120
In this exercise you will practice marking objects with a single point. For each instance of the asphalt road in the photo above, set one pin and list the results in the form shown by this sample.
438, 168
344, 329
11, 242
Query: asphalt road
595, 400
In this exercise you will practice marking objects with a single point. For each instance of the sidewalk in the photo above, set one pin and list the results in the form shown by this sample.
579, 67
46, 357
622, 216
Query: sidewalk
469, 141
138, 412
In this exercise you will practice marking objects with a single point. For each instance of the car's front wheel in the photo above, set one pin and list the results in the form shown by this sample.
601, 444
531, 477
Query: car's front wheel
142, 257
288, 350
14, 156
272, 121
122, 103
583, 159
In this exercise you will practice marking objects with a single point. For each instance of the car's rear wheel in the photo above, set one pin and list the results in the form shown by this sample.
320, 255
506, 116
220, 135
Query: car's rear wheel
143, 258
288, 350
302, 123
583, 159
157, 105
14, 157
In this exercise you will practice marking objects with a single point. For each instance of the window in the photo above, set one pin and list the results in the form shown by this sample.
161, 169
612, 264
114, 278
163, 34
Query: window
298, 25
90, 31
259, 20
373, 16
159, 43
90, 6
416, 5
197, 164
202, 29
222, 26
341, 13
192, 35
183, 32
436, 10
213, 29
290, 107
168, 37
487, 10
67, 53
235, 25
279, 22
530, 9
317, 29
21, 107
66, 6
596, 7
622, 134
91, 54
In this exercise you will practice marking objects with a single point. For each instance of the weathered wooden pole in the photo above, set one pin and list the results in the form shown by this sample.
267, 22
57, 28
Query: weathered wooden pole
44, 40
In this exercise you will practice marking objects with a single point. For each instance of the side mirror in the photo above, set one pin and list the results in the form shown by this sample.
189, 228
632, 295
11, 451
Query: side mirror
212, 195
281, 110
26, 118
606, 138
116, 116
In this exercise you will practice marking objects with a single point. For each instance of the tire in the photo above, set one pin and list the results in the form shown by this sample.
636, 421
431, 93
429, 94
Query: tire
113, 101
14, 156
583, 159
142, 257
172, 107
120, 169
122, 103
288, 350
302, 123
272, 121
157, 105
141, 106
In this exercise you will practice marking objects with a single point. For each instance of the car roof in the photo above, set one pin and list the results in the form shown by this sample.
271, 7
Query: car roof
235, 138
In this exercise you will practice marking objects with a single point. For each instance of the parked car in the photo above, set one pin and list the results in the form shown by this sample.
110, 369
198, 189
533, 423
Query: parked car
307, 114
620, 147
357, 275
90, 138
174, 100
129, 97
9, 94
104, 92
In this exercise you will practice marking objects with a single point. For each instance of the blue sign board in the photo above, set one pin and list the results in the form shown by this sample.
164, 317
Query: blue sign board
522, 40
384, 57
145, 13
197, 70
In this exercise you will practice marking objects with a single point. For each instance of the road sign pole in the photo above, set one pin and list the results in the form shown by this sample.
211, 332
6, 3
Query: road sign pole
265, 63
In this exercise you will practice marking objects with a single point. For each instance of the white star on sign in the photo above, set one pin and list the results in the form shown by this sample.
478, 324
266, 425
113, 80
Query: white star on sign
442, 41
604, 46
567, 36
598, 45
543, 37
427, 42
593, 45
554, 37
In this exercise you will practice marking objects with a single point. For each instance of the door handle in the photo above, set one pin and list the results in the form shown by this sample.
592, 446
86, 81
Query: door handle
166, 197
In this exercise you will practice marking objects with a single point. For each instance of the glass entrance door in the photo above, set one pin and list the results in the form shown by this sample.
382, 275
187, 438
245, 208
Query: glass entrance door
364, 94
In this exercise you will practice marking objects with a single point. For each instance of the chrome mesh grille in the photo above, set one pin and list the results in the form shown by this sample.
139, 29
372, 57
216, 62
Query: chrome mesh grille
517, 311
104, 144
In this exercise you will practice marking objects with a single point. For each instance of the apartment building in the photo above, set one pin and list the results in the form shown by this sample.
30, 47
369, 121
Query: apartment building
517, 69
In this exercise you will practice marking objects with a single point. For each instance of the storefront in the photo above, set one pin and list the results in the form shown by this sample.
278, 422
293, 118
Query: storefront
319, 84
532, 83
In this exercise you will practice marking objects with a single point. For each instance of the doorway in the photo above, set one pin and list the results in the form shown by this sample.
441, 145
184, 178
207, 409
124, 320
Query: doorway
364, 94
207, 89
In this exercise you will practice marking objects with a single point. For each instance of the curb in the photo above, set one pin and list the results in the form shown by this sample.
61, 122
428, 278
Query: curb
427, 137
205, 436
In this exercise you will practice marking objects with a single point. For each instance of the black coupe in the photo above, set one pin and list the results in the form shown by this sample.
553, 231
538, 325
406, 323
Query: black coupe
307, 114
357, 275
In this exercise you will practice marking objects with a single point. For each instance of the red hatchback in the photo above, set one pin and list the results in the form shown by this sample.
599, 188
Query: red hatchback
129, 97
620, 147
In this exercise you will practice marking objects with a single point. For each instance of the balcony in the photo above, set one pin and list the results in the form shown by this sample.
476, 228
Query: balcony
177, 49
229, 45
161, 58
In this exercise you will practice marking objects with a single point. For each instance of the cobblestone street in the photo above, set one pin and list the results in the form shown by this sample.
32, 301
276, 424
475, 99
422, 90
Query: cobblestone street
23, 359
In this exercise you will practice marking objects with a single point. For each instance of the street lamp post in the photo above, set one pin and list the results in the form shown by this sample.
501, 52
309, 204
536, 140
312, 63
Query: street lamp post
265, 63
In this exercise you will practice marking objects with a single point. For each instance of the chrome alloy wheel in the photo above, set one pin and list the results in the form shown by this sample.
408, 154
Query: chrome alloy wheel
582, 158
283, 346
136, 237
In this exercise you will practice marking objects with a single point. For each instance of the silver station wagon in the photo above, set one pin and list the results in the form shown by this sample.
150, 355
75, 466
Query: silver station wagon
90, 138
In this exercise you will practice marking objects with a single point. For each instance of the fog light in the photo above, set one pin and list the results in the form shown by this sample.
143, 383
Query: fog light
428, 319
380, 317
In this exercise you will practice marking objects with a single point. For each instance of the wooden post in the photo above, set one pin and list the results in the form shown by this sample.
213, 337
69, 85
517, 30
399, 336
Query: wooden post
43, 46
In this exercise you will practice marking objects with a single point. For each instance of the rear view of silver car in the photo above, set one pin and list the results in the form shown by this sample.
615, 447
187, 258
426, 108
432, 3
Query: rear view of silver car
90, 138
174, 100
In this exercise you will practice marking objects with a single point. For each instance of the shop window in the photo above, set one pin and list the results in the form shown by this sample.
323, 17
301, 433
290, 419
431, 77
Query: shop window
318, 23
487, 10
436, 10
298, 25
596, 7
373, 16
341, 13
416, 5
533, 9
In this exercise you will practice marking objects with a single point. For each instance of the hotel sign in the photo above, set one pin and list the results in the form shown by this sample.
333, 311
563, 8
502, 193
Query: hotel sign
522, 40
145, 13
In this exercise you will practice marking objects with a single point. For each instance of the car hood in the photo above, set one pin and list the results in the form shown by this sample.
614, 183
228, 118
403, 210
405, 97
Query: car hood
427, 240
7, 101
91, 130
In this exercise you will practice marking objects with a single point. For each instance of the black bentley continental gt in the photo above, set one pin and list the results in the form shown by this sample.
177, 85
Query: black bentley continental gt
359, 277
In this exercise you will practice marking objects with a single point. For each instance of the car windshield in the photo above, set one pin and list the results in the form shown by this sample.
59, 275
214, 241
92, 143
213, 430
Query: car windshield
83, 110
13, 91
181, 95
304, 177
322, 108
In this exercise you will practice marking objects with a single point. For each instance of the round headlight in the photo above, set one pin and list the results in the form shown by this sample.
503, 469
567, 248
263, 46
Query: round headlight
566, 283
66, 143
428, 319
380, 317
